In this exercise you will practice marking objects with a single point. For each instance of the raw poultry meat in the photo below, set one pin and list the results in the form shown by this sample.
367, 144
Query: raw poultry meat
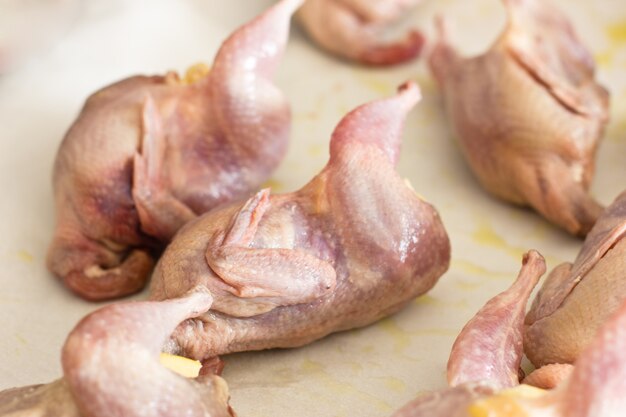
482, 340
353, 245
354, 29
487, 354
111, 368
577, 298
528, 114
147, 154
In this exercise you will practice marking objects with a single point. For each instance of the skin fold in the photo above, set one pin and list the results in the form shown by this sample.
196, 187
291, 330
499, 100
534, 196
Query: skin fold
528, 114
576, 299
353, 29
147, 154
352, 246
111, 368
593, 388
110, 364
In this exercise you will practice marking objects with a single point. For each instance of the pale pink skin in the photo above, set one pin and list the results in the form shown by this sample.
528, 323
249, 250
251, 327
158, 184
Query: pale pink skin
576, 299
147, 154
528, 113
111, 368
483, 352
352, 246
124, 341
353, 29
594, 387
549, 376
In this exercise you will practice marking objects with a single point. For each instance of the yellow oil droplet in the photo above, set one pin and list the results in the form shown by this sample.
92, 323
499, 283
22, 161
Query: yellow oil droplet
617, 32
308, 366
426, 82
21, 339
275, 185
376, 85
604, 59
427, 300
467, 285
195, 73
617, 128
401, 338
343, 109
485, 235
395, 384
317, 371
475, 269
368, 349
355, 367
24, 256
316, 150
437, 331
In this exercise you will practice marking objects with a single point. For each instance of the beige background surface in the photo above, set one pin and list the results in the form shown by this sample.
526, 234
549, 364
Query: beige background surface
366, 372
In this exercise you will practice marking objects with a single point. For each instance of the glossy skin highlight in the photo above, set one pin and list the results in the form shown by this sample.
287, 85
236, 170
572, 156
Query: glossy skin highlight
352, 246
528, 113
353, 29
594, 387
148, 154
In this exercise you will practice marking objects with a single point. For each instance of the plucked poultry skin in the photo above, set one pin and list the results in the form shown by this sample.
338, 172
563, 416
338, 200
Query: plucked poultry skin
353, 29
147, 154
353, 245
528, 114
577, 298
111, 368
486, 357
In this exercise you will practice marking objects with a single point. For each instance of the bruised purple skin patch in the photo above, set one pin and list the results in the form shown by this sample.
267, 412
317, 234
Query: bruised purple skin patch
353, 245
148, 154
349, 248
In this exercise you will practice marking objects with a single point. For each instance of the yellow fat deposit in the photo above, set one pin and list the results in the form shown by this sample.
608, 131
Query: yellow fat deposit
195, 73
181, 365
505, 403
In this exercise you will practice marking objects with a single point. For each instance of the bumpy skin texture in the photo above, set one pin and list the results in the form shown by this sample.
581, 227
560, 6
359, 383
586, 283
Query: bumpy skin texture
353, 245
528, 114
593, 388
483, 340
111, 368
353, 29
147, 154
577, 298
